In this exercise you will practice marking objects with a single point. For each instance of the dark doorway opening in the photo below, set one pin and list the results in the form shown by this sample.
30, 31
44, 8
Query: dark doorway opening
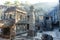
27, 26
6, 31
47, 18
38, 27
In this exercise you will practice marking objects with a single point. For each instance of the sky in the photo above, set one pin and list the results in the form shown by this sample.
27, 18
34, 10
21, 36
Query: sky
30, 1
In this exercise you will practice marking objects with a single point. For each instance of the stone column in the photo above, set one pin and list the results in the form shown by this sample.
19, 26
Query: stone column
31, 19
32, 22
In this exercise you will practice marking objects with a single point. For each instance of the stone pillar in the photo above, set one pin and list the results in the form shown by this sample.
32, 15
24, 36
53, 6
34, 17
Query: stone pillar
31, 19
32, 22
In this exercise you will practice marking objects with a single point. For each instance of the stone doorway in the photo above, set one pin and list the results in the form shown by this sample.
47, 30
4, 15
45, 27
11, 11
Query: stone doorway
27, 26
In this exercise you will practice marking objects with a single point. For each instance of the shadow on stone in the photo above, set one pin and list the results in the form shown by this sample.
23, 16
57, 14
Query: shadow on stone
46, 37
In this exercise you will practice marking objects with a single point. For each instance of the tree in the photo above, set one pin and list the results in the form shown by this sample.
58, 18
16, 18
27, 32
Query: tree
16, 3
7, 3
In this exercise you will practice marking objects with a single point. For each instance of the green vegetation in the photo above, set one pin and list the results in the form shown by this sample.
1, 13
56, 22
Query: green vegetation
8, 3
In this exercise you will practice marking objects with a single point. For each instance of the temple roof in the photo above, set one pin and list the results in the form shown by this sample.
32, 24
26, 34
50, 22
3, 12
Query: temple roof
10, 9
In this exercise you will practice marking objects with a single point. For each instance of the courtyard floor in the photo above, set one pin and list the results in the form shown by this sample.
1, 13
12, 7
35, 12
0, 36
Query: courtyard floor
55, 34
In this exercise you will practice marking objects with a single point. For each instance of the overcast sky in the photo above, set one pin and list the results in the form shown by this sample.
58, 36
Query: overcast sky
30, 1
